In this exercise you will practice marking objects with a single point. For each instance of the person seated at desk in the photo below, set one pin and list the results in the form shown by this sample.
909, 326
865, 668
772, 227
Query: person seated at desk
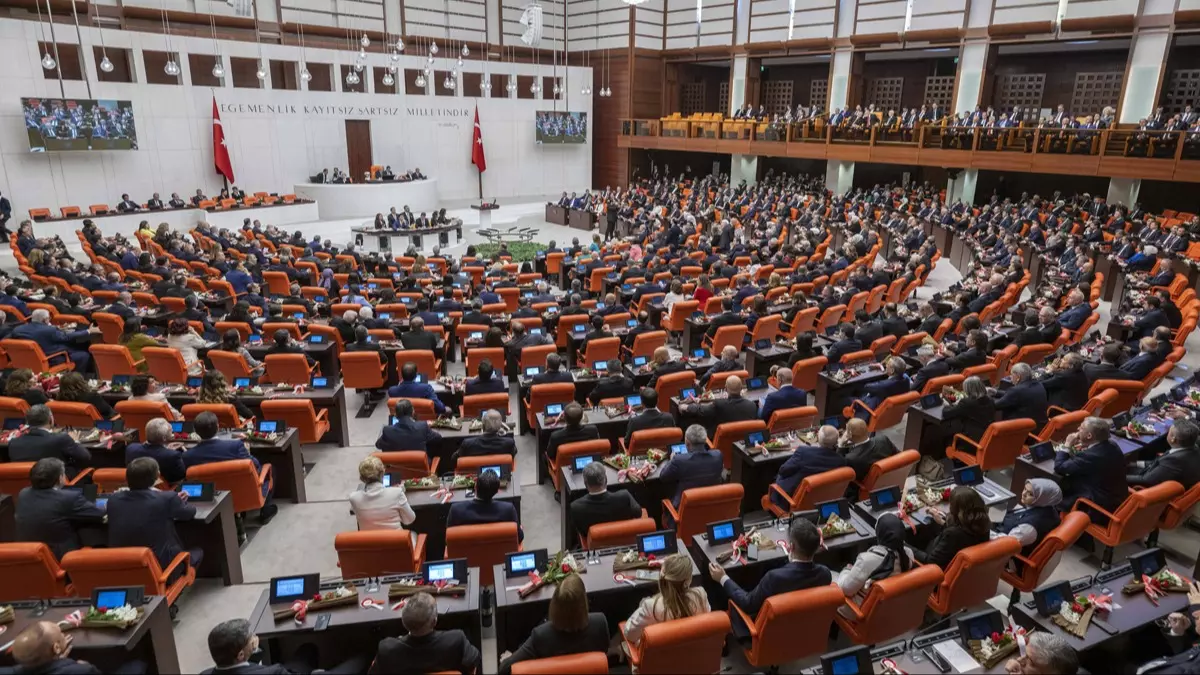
182, 337
1107, 369
362, 342
1067, 385
967, 524
1180, 463
600, 505
785, 397
51, 339
1050, 654
424, 649
168, 458
727, 362
50, 514
971, 414
799, 573
676, 599
20, 385
1078, 310
1096, 470
613, 385
484, 509
808, 460
574, 431
212, 449
214, 388
661, 364
569, 629
127, 205
650, 417
896, 382
492, 441
887, 557
407, 433
377, 507
1025, 399
974, 355
862, 449
1146, 360
232, 644
554, 371
40, 443
1037, 515
410, 388
701, 466
145, 516
485, 382
732, 408
845, 344
727, 317
44, 648
1153, 317
231, 341
931, 367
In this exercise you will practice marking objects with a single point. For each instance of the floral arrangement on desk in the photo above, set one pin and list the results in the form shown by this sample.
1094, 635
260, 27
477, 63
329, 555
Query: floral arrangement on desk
47, 381
584, 373
615, 411
298, 610
212, 296
562, 566
851, 372
774, 444
706, 395
92, 435
454, 384
994, 648
257, 436
1074, 617
836, 527
7, 614
119, 618
1157, 585
737, 549
1137, 428
254, 390
447, 422
11, 434
458, 482
950, 395
1192, 397
414, 585
632, 560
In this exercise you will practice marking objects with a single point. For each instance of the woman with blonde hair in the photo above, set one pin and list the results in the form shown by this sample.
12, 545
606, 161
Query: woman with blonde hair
569, 628
676, 598
378, 507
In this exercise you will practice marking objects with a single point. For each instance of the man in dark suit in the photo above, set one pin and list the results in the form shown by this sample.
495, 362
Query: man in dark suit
1151, 319
868, 330
1077, 312
169, 459
212, 449
1181, 463
892, 323
931, 367
612, 385
554, 371
1107, 369
701, 466
732, 408
486, 381
232, 644
1068, 385
424, 649
1146, 360
143, 516
862, 450
1026, 399
484, 509
53, 340
410, 388
600, 505
574, 431
846, 344
416, 337
50, 514
785, 397
727, 317
43, 647
895, 383
799, 573
408, 433
661, 364
39, 443
974, 355
930, 319
727, 362
1096, 471
808, 460
650, 417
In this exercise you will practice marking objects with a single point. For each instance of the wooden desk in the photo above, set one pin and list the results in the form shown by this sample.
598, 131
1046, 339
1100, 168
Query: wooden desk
649, 493
831, 395
516, 617
580, 219
756, 472
354, 629
999, 496
1111, 270
610, 428
556, 214
432, 514
151, 641
215, 532
693, 333
641, 376
759, 361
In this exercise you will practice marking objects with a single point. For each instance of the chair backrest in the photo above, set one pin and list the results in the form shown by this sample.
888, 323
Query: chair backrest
1049, 552
536, 355
795, 625
299, 414
374, 553
411, 463
111, 326
601, 349
731, 432
728, 336
855, 357
680, 311
1060, 426
1003, 442
717, 381
25, 354
587, 663
670, 385
1139, 514
644, 344
137, 413
700, 506
73, 414
494, 354
362, 370
166, 364
231, 364
822, 487
934, 385
542, 395
112, 360
973, 574
475, 404
235, 475
287, 368
12, 407
1129, 394
806, 371
29, 571
618, 533
1033, 354
1179, 508
227, 416
896, 605
484, 546
643, 440
889, 472
92, 568
691, 645
830, 317
892, 410
792, 419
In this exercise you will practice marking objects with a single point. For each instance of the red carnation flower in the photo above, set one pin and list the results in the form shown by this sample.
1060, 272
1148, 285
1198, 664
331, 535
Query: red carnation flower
566, 568
995, 637
102, 610
650, 557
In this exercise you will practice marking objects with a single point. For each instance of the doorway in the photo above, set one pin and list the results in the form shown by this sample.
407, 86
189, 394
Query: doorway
358, 148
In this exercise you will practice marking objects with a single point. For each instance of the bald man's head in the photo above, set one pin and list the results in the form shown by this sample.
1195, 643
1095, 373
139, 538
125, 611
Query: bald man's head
729, 353
40, 644
733, 385
857, 430
662, 355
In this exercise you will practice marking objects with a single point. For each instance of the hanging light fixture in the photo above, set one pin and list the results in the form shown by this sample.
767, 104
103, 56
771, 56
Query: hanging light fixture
172, 67
364, 41
433, 49
304, 74
106, 65
388, 80
465, 50
48, 61
261, 73
352, 77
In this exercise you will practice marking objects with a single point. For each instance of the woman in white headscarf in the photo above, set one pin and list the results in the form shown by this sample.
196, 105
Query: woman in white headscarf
1037, 515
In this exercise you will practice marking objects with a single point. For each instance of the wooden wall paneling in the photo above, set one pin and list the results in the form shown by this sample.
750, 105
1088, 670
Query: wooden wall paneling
885, 92
610, 164
1183, 89
1023, 90
1095, 91
691, 99
754, 82
939, 89
1058, 72
723, 98
856, 88
818, 94
777, 96
646, 95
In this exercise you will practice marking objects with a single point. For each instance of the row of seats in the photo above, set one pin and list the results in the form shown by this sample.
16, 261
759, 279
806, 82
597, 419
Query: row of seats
265, 198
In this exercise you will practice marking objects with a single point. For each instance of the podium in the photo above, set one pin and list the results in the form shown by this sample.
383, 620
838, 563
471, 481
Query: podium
556, 214
581, 220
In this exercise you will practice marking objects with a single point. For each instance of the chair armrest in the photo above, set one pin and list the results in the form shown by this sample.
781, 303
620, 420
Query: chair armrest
958, 437
265, 477
140, 363
419, 550
78, 479
183, 557
1057, 410
775, 487
1087, 502
858, 402
668, 508
853, 607
733, 608
1029, 564
433, 466
322, 414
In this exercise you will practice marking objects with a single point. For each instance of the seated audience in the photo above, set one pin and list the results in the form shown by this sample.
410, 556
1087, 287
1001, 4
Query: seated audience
73, 388
1180, 463
1036, 516
700, 466
1096, 468
600, 505
424, 649
212, 449
407, 433
492, 441
808, 460
676, 599
965, 525
484, 509
569, 628
971, 414
39, 442
49, 514
378, 507
168, 457
574, 431
882, 560
146, 516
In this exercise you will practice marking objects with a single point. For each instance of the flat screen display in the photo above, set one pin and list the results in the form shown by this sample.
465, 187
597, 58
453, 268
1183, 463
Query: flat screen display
110, 599
523, 563
55, 124
553, 126
444, 572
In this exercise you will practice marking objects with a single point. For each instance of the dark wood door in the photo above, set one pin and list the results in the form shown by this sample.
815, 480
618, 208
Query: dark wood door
358, 148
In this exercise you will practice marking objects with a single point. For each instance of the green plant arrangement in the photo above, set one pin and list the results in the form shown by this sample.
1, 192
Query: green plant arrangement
520, 251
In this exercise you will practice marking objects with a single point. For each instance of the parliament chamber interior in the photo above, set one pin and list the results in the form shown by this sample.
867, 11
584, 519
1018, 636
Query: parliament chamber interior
600, 336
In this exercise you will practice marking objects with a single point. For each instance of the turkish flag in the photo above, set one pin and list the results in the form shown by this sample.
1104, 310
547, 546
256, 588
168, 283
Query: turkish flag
477, 157
220, 150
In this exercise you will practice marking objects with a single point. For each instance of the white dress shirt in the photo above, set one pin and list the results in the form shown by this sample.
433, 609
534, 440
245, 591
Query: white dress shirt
381, 508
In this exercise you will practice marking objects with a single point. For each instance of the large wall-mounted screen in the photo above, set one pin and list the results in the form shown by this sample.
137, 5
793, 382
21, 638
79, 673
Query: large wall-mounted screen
55, 124
561, 127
